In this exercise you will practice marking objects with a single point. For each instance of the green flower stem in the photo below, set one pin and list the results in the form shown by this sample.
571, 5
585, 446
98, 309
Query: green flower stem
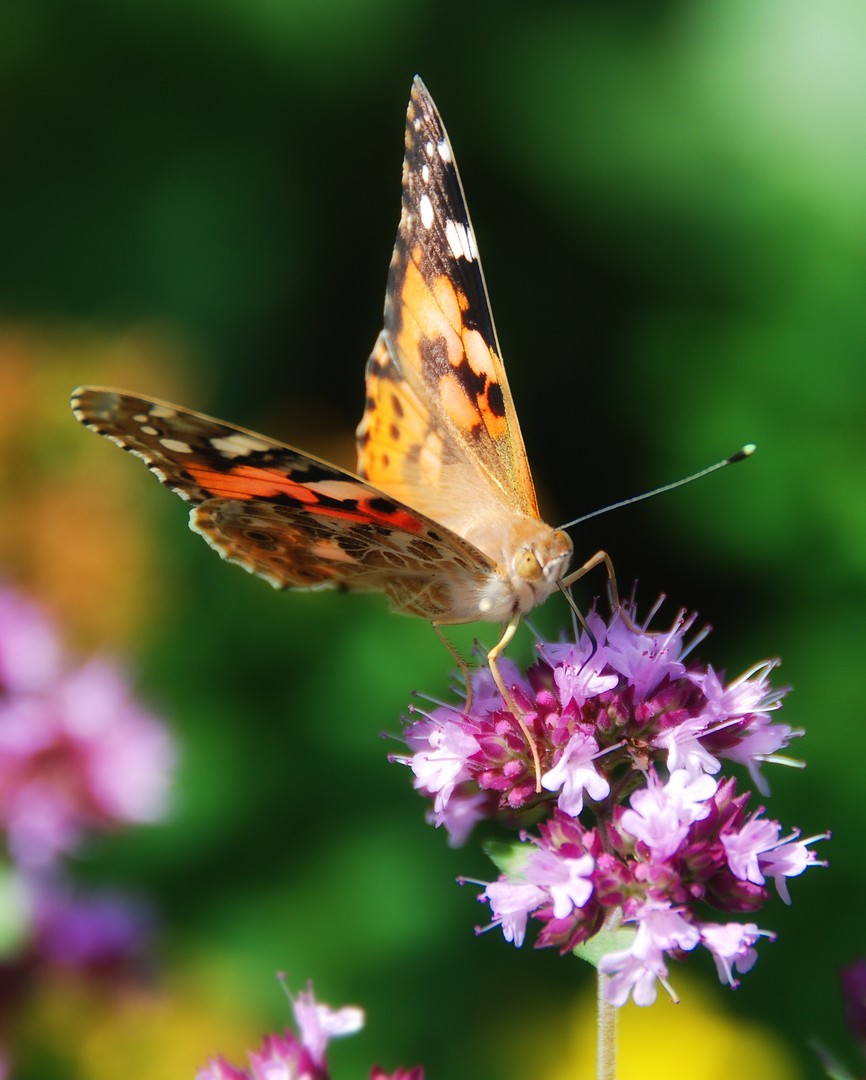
607, 1014
605, 1060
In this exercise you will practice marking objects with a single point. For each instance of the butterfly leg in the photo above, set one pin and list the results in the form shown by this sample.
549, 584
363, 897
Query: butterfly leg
508, 697
461, 664
590, 564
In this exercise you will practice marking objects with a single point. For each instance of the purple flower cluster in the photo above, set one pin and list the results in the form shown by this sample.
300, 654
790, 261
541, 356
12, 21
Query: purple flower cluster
302, 1057
93, 933
637, 831
78, 754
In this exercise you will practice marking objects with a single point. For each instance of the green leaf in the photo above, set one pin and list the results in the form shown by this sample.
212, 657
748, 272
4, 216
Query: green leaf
604, 942
509, 858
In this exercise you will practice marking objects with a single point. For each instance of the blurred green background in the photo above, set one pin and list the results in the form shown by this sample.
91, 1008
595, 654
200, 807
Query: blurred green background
199, 202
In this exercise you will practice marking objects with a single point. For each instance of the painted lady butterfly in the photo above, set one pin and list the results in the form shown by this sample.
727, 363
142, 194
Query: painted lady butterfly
442, 515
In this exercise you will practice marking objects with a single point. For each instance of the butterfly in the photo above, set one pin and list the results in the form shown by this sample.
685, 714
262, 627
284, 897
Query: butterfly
441, 515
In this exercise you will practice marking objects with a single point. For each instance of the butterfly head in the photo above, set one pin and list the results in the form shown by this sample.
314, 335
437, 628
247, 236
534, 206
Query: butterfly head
538, 559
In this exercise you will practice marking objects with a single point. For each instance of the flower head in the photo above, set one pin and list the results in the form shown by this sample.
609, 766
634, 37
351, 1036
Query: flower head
619, 697
635, 822
280, 1057
302, 1056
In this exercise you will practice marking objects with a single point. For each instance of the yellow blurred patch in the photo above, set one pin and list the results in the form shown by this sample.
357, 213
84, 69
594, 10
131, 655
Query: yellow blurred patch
695, 1039
93, 1032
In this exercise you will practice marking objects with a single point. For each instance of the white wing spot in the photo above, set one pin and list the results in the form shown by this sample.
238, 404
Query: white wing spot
233, 446
444, 151
425, 173
453, 239
162, 410
426, 208
176, 446
461, 240
141, 418
428, 149
146, 429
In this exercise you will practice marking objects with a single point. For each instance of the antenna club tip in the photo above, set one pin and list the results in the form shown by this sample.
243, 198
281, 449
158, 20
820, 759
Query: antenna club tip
743, 452
741, 455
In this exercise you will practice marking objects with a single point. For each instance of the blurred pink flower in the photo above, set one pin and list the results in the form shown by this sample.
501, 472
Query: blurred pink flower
302, 1057
78, 753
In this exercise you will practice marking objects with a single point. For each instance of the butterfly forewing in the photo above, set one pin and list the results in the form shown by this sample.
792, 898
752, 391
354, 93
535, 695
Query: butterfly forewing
438, 360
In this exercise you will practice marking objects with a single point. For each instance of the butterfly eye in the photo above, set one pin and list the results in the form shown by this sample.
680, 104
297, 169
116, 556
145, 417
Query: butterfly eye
528, 567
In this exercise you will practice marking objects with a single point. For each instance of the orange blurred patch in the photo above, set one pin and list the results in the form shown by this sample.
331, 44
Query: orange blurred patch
75, 530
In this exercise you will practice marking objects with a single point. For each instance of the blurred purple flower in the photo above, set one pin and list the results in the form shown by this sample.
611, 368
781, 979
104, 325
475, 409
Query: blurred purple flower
853, 981
99, 932
301, 1057
78, 754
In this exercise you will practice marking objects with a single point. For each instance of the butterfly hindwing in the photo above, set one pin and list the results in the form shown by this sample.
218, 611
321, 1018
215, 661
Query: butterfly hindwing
328, 546
285, 515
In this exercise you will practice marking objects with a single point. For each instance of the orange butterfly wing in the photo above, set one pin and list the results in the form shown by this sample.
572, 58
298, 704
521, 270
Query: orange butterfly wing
287, 516
440, 430
443, 516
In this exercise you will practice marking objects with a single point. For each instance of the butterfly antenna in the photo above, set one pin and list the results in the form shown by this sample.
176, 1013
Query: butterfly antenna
743, 453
